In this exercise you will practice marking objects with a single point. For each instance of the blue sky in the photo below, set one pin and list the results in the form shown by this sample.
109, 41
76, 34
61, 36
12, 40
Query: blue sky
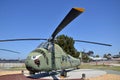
38, 18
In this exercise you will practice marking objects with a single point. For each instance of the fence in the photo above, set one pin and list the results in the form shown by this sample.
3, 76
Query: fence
10, 65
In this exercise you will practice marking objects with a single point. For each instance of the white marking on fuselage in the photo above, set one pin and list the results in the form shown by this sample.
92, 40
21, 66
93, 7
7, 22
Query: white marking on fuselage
36, 57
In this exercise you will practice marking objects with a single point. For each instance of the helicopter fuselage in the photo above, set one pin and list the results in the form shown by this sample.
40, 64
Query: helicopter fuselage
40, 59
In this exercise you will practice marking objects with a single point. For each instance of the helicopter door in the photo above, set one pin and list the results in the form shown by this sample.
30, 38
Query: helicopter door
58, 61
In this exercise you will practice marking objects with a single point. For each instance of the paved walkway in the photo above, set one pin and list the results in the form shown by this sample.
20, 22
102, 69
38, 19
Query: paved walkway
114, 64
74, 74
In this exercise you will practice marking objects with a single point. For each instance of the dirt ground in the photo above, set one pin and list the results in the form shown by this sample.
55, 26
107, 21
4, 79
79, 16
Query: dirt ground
106, 77
9, 72
103, 77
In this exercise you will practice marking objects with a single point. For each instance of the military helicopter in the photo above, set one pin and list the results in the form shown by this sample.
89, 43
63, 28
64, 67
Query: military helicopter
49, 56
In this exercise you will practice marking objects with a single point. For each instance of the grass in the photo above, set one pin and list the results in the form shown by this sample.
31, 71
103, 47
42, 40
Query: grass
18, 68
83, 66
101, 67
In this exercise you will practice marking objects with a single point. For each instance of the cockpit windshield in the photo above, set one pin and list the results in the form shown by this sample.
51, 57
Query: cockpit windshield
46, 45
43, 45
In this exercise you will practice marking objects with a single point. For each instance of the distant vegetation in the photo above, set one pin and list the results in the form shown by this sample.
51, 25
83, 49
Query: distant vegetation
67, 44
101, 67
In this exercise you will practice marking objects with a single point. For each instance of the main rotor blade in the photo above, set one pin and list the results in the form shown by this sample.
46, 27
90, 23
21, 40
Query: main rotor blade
69, 17
93, 42
10, 51
27, 39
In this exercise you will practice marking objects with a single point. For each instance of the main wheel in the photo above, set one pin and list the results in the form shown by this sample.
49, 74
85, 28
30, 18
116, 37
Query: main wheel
64, 73
77, 67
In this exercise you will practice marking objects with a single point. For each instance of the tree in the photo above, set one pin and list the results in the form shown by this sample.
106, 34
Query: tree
105, 56
108, 56
97, 56
67, 44
90, 53
85, 57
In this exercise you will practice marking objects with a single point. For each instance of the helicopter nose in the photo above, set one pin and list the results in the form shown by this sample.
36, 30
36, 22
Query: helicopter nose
36, 59
37, 62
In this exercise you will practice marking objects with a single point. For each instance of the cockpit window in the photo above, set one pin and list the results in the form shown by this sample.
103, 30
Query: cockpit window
46, 45
43, 45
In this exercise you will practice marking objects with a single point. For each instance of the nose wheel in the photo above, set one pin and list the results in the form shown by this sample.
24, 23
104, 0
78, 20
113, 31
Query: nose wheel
31, 73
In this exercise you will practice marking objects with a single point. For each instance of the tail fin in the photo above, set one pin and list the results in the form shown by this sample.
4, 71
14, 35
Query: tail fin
80, 55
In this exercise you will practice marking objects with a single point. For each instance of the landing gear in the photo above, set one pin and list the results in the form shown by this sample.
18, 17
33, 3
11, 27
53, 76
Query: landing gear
31, 73
63, 73
77, 67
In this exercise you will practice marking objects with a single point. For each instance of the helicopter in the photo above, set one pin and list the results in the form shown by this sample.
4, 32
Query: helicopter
49, 56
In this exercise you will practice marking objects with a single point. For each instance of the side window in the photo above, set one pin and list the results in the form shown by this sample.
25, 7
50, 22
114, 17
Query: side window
62, 58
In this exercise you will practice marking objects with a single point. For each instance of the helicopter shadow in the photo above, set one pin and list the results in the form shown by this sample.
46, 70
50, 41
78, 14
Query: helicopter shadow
44, 74
54, 75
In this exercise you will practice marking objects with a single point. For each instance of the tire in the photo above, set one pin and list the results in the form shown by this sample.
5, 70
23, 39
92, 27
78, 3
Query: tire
64, 73
32, 73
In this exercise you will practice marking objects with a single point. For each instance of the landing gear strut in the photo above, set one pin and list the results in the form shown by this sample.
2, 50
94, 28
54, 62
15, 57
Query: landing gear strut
63, 73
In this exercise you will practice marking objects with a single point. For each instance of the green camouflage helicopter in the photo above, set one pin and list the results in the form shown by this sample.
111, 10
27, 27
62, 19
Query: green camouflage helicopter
49, 56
